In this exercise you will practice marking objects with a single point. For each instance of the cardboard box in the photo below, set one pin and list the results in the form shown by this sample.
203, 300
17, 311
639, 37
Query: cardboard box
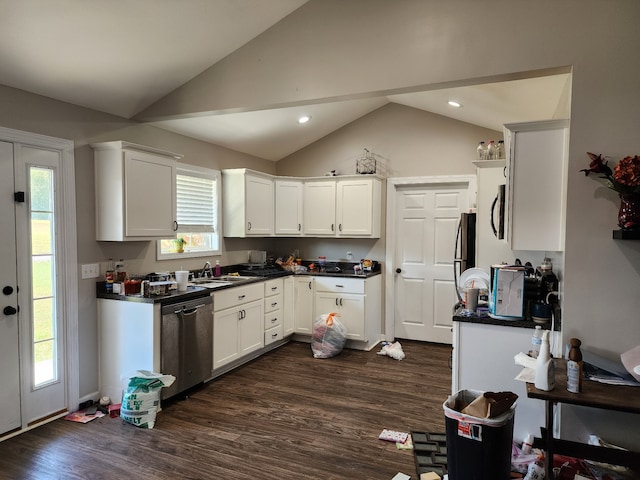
507, 294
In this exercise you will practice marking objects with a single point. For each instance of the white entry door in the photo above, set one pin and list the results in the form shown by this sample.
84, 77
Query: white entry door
426, 220
32, 322
9, 357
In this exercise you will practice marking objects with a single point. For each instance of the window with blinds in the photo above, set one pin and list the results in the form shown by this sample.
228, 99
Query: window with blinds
198, 214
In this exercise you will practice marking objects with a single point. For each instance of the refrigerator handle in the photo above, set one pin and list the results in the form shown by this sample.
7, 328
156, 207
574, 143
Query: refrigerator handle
457, 261
493, 208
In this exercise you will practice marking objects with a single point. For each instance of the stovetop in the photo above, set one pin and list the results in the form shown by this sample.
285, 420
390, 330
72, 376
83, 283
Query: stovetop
263, 271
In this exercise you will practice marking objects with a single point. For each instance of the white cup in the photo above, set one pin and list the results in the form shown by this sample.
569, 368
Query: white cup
182, 277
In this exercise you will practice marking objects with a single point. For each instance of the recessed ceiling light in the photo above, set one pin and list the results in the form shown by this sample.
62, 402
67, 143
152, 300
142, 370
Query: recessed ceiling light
453, 103
304, 119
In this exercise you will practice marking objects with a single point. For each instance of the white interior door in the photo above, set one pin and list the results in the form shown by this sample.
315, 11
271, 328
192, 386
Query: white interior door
9, 356
426, 220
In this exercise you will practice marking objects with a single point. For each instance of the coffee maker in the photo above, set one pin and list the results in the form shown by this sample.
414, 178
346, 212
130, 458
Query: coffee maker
540, 292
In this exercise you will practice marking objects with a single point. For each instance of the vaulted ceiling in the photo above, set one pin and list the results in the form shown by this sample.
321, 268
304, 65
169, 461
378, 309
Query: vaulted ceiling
120, 57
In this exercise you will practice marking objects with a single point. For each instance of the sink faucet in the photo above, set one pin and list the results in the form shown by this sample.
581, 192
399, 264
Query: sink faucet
206, 270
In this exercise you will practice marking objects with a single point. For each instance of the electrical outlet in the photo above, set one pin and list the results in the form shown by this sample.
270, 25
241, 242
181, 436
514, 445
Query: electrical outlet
90, 270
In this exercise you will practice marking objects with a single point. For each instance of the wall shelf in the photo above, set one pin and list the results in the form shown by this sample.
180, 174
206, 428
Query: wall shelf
626, 234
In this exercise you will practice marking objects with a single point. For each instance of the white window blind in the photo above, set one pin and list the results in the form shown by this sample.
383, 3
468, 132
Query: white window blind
196, 203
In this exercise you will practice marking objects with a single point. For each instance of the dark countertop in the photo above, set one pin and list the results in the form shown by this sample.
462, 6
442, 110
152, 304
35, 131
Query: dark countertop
172, 297
519, 323
195, 292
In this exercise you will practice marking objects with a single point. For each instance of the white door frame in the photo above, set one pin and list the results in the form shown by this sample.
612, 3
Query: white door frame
68, 256
392, 186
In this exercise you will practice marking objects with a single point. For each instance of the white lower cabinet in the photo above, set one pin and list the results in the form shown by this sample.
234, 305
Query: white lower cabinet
288, 295
358, 301
273, 310
303, 304
350, 310
238, 323
346, 297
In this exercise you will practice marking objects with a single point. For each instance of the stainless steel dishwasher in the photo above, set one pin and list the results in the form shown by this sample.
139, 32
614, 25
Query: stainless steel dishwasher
186, 343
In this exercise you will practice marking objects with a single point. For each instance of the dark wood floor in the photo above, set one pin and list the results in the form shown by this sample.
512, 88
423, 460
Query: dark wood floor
283, 416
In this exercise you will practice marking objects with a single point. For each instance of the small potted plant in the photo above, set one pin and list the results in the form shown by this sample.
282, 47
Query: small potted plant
179, 244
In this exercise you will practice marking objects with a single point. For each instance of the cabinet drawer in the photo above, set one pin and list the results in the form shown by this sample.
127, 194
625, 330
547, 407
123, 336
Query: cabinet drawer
272, 319
339, 285
237, 296
273, 335
272, 303
273, 287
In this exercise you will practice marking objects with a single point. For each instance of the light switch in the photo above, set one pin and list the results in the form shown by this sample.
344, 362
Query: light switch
90, 270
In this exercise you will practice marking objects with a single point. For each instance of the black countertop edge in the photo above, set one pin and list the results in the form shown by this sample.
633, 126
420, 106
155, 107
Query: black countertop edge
171, 297
520, 323
336, 274
195, 292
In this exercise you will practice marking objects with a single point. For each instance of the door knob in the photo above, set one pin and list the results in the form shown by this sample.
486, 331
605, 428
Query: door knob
398, 270
9, 311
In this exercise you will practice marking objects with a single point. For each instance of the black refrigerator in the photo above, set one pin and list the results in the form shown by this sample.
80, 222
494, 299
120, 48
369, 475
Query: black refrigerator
465, 248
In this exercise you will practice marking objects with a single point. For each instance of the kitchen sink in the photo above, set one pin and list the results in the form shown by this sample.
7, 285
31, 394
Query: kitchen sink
218, 282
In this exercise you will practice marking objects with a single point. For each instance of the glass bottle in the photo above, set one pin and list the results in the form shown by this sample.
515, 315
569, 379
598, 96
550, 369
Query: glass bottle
109, 276
574, 367
491, 151
500, 150
481, 151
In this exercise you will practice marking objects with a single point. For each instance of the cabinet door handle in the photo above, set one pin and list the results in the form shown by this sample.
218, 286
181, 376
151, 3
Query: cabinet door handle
309, 285
248, 225
336, 302
332, 228
239, 314
299, 226
274, 304
175, 225
274, 335
340, 302
273, 289
274, 319
339, 286
340, 226
240, 297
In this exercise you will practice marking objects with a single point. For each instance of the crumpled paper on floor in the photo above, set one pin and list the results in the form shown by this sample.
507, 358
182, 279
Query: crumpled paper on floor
393, 350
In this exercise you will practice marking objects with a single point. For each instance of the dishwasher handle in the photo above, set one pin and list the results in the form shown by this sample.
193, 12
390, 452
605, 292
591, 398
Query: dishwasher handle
189, 311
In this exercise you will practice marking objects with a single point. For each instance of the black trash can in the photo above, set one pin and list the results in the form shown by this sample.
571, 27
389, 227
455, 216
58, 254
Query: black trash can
477, 448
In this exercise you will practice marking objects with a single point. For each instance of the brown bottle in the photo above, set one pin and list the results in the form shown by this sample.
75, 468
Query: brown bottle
574, 367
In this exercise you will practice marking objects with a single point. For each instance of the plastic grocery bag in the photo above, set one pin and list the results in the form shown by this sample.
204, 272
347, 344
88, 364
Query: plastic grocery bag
329, 336
141, 399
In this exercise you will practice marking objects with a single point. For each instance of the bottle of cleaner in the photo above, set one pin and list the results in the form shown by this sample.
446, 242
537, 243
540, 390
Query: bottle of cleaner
217, 270
574, 367
545, 368
536, 340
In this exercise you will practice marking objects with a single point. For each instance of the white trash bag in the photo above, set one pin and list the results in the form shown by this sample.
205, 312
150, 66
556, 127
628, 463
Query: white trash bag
141, 399
329, 336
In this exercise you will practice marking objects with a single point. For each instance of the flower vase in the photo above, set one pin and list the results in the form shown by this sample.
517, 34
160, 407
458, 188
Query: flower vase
629, 213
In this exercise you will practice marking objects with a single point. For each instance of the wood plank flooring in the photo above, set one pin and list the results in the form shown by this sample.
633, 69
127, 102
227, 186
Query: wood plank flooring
283, 416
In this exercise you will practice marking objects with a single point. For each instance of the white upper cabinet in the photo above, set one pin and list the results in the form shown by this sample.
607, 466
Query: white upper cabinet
320, 208
289, 207
536, 184
358, 207
349, 207
135, 192
248, 203
258, 204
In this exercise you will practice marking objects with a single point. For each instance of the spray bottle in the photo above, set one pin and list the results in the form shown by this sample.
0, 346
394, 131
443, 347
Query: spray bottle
217, 270
545, 367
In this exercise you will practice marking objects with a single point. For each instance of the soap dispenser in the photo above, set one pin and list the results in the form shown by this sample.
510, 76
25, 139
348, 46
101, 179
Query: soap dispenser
545, 367
216, 271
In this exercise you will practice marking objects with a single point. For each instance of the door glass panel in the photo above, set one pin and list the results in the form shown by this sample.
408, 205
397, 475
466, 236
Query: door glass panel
43, 268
